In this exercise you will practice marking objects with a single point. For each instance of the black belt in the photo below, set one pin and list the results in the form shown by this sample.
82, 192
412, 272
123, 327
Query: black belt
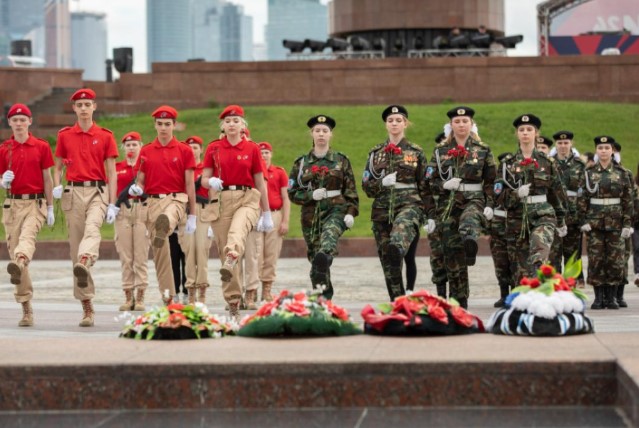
95, 183
236, 188
162, 195
26, 196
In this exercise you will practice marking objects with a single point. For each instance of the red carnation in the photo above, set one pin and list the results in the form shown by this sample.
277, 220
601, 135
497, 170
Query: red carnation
547, 270
534, 283
130, 155
297, 308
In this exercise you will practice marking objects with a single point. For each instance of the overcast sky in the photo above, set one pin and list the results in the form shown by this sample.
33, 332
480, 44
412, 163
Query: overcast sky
127, 23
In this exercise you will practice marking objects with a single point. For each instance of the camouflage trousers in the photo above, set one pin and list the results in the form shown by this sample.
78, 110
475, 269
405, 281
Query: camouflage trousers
627, 259
534, 246
563, 248
437, 265
454, 258
606, 257
471, 218
504, 263
401, 234
323, 238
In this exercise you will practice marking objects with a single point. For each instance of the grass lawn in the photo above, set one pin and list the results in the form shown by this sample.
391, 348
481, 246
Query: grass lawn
360, 127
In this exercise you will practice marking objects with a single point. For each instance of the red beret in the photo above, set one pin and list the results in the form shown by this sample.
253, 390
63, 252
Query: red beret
232, 110
265, 146
131, 136
194, 140
17, 109
165, 112
83, 94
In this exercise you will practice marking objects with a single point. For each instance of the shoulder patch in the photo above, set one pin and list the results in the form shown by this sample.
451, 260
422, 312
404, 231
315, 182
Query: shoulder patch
415, 146
442, 144
107, 130
65, 129
377, 147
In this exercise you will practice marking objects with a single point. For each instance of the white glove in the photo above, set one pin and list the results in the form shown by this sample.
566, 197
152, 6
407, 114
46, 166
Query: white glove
267, 221
562, 231
57, 192
135, 190
191, 223
349, 221
586, 228
452, 184
50, 215
319, 194
389, 180
489, 213
209, 233
216, 184
523, 191
626, 232
260, 224
7, 178
112, 212
430, 226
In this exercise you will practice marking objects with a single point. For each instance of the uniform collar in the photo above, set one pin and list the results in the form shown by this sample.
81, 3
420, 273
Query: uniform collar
601, 168
76, 128
174, 142
329, 156
28, 142
238, 146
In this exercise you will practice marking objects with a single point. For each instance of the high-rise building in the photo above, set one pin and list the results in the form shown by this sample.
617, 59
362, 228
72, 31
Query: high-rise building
206, 29
89, 44
57, 28
169, 32
19, 20
236, 34
294, 20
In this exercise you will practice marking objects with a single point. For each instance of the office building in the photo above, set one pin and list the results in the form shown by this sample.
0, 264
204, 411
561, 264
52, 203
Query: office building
89, 44
294, 20
169, 32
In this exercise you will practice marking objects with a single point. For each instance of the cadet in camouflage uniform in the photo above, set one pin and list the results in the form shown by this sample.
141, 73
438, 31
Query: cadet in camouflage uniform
394, 177
462, 174
502, 259
607, 207
571, 172
322, 182
534, 199
437, 266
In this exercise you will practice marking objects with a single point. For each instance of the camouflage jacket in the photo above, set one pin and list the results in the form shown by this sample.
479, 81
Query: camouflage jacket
542, 175
304, 178
603, 186
571, 173
476, 168
410, 166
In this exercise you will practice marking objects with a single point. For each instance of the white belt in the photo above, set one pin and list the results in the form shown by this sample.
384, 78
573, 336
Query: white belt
470, 187
333, 193
500, 213
605, 201
571, 193
537, 199
405, 186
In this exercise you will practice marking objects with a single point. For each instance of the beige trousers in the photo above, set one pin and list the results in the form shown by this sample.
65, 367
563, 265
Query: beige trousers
175, 209
239, 211
22, 221
84, 209
132, 245
262, 251
196, 249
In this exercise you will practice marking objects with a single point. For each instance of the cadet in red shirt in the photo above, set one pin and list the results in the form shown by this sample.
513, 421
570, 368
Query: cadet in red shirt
131, 237
88, 153
24, 165
166, 176
233, 166
263, 248
196, 247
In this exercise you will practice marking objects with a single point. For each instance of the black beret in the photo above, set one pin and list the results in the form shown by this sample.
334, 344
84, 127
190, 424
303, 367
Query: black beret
527, 119
321, 119
440, 137
604, 139
394, 109
563, 135
544, 140
460, 111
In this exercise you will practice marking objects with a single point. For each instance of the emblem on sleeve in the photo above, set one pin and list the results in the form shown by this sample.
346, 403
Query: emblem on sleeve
498, 188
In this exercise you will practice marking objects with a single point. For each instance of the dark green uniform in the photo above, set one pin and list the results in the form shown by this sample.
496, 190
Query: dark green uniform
397, 210
437, 265
323, 221
466, 220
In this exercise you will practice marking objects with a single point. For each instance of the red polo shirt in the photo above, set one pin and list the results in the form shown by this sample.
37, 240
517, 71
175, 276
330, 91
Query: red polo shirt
277, 179
26, 160
126, 173
84, 153
235, 165
202, 191
164, 166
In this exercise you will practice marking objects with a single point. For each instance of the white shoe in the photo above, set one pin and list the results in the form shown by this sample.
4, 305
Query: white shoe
185, 298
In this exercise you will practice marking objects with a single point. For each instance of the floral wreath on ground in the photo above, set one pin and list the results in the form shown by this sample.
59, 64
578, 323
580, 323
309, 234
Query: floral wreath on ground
547, 305
176, 321
420, 314
299, 314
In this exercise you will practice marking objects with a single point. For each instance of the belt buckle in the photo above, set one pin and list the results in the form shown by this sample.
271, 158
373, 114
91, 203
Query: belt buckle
233, 187
86, 183
24, 196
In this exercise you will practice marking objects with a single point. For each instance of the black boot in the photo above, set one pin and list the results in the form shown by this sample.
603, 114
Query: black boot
463, 302
504, 290
320, 265
610, 297
598, 303
470, 248
441, 289
620, 300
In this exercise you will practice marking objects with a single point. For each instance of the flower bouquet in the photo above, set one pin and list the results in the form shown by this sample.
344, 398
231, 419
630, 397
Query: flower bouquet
420, 314
548, 305
174, 322
299, 314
